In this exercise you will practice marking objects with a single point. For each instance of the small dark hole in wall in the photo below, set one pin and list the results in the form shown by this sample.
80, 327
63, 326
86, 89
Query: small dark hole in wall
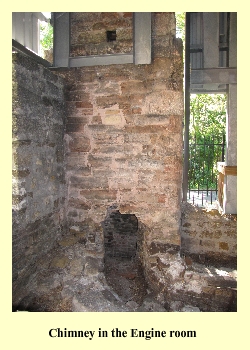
111, 35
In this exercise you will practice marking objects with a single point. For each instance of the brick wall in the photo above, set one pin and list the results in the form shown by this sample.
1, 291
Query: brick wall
38, 166
124, 138
209, 237
89, 33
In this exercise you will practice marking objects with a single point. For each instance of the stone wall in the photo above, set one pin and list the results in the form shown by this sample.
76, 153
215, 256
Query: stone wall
38, 167
124, 139
209, 237
99, 33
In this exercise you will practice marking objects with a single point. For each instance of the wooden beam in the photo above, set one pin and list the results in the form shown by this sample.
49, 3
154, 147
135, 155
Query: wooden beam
227, 169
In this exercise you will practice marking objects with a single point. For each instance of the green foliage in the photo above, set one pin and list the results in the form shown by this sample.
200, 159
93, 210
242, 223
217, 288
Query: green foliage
180, 25
46, 35
207, 115
206, 132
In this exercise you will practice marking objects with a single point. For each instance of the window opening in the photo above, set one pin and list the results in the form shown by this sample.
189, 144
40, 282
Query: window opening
207, 134
32, 34
46, 38
180, 19
206, 50
180, 25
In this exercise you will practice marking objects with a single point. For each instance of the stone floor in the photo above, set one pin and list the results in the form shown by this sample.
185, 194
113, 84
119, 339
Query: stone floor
72, 278
68, 279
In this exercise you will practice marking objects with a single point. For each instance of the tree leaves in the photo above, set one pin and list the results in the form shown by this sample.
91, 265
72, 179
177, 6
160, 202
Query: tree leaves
46, 35
206, 131
207, 115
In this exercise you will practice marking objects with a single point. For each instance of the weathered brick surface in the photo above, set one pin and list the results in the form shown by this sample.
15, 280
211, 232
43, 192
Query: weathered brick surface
78, 142
89, 33
124, 132
209, 237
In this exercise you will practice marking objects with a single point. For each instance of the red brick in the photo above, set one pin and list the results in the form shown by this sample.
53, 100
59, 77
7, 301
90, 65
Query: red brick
127, 14
99, 194
223, 246
84, 104
79, 144
77, 120
74, 127
133, 87
147, 129
162, 198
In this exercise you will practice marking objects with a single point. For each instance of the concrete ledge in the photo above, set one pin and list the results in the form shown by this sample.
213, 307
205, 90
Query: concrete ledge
214, 76
101, 60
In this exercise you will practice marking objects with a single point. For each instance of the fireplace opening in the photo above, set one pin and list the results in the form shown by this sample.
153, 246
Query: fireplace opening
122, 265
120, 235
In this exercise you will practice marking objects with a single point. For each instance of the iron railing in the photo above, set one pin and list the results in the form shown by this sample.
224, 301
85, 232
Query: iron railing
204, 153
